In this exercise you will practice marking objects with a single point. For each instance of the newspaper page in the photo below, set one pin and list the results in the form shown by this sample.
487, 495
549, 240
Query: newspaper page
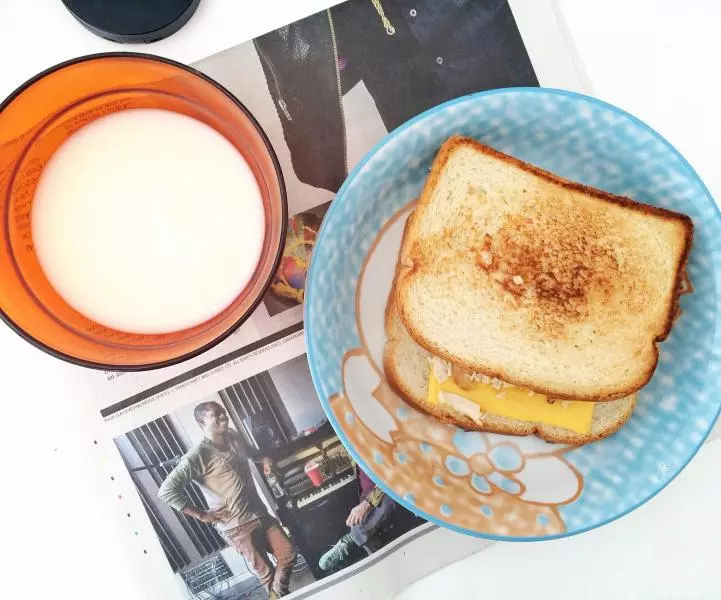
247, 488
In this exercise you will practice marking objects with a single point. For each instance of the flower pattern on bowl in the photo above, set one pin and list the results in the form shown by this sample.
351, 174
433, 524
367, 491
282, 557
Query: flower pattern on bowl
482, 481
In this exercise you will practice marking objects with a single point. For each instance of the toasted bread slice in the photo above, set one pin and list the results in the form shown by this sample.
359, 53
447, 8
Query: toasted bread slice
563, 289
406, 366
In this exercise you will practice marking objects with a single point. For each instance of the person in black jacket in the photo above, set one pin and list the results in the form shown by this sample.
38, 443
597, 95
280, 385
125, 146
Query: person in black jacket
410, 54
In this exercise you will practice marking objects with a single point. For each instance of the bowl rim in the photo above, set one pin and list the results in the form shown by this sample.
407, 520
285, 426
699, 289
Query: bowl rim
309, 324
283, 202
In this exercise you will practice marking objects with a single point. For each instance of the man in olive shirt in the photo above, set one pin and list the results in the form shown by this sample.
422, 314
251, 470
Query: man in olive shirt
219, 463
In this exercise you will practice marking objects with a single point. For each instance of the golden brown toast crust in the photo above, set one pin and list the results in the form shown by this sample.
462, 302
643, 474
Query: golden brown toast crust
571, 288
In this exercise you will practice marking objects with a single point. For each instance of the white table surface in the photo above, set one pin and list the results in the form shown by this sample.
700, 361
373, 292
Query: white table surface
657, 59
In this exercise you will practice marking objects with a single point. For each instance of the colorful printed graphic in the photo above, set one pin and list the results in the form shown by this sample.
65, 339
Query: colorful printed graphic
289, 281
288, 287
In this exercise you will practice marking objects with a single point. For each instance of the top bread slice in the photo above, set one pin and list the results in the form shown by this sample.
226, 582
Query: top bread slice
511, 271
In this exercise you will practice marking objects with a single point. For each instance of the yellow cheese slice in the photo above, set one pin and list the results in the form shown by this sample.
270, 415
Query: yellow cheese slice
515, 403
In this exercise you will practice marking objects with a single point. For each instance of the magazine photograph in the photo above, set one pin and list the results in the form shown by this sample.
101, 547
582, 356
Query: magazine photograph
250, 489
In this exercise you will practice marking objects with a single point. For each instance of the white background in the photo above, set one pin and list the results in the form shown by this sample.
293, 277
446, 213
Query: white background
657, 59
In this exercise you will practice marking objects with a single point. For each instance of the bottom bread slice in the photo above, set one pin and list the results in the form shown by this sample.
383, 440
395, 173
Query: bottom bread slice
406, 366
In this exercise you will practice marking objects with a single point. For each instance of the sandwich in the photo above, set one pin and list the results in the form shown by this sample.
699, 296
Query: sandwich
525, 303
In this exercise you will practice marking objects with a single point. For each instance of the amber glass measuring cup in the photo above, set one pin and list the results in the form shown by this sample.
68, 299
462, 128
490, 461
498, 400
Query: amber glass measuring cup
36, 119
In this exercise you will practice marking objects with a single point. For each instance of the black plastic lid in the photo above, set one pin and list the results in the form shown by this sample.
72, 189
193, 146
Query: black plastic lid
132, 21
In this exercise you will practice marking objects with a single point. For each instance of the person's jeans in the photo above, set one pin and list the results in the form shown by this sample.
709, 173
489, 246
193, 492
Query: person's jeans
364, 531
254, 540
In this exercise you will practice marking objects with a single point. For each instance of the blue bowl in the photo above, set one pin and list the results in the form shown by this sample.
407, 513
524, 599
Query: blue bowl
492, 485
